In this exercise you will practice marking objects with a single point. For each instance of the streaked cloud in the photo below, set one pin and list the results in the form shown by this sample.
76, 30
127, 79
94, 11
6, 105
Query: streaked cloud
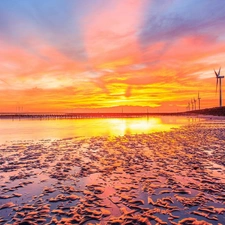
62, 54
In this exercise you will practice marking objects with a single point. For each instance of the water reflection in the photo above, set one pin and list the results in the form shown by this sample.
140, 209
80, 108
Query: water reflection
137, 126
55, 129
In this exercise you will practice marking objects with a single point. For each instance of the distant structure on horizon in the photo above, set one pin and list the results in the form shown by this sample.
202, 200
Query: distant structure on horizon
194, 104
188, 107
199, 101
218, 80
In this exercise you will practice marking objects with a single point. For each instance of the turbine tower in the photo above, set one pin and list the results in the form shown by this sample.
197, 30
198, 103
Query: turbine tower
194, 103
188, 106
199, 101
218, 80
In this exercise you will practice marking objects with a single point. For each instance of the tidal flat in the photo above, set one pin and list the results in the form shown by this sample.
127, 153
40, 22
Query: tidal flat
173, 177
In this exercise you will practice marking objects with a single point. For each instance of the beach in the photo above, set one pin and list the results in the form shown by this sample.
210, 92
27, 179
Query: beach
166, 177
112, 112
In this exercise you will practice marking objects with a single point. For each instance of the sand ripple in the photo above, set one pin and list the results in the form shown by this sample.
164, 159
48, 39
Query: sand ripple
175, 177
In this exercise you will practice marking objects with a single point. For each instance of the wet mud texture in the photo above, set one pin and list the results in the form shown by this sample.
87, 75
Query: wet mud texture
175, 177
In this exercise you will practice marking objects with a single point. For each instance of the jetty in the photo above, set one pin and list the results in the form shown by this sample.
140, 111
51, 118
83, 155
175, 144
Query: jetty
81, 115
217, 111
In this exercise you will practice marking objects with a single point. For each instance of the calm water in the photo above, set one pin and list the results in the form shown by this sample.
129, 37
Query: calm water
13, 130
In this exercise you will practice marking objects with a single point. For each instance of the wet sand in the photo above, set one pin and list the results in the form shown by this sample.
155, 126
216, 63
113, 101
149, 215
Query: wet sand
175, 177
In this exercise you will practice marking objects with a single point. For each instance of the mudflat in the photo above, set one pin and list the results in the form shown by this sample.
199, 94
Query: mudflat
174, 177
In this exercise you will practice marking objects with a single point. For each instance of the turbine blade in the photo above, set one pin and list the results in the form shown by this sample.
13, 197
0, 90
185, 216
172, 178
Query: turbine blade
219, 71
216, 73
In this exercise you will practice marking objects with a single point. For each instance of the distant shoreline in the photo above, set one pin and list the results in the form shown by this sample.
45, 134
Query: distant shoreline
209, 112
84, 115
216, 111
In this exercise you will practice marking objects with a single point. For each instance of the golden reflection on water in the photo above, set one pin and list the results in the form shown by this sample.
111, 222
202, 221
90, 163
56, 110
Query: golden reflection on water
137, 126
56, 129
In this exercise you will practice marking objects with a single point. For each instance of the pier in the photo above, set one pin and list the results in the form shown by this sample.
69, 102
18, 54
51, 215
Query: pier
82, 115
217, 111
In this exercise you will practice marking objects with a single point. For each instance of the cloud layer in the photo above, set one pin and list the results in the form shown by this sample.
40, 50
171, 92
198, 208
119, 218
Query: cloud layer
63, 55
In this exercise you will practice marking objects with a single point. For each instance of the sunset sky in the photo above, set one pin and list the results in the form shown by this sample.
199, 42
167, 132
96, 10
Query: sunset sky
104, 55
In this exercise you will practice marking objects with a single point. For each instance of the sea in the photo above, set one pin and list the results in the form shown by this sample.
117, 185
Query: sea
35, 129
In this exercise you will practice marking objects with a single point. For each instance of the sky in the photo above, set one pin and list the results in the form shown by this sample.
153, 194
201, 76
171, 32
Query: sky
110, 55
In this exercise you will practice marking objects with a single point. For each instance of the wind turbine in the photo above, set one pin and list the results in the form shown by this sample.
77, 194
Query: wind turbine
218, 79
188, 106
199, 101
194, 103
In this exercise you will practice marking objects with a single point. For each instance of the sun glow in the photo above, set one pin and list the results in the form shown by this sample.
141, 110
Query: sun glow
122, 58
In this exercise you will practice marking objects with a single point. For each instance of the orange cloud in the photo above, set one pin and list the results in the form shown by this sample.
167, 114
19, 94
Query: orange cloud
129, 53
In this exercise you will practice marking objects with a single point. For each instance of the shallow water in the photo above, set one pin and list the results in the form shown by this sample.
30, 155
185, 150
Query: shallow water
56, 129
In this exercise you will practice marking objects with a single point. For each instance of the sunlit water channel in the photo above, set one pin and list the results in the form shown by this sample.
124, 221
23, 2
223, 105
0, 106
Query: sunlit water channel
28, 129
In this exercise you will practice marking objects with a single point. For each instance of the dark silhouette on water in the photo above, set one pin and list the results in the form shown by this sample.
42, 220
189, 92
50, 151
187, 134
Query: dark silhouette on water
217, 111
82, 115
